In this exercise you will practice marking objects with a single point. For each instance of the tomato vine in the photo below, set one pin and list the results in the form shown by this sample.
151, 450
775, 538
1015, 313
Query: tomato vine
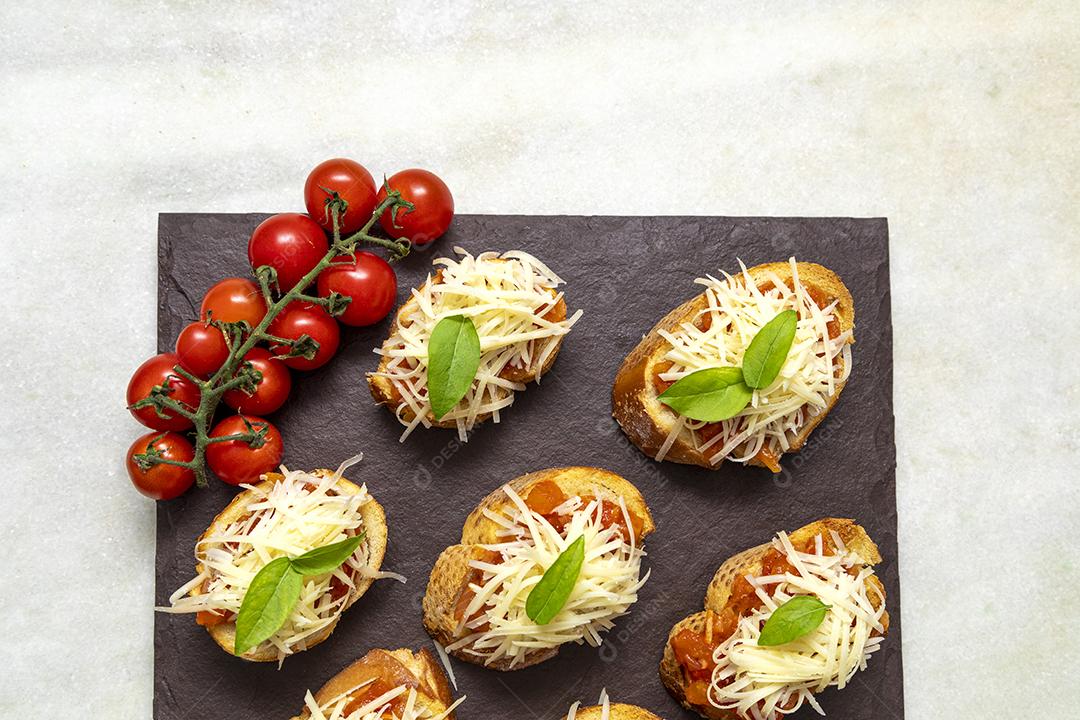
240, 337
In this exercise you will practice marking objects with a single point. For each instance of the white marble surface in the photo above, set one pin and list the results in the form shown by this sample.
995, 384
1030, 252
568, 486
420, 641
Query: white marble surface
956, 120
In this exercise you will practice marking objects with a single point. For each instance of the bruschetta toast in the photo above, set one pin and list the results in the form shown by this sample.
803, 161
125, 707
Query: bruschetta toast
286, 513
384, 685
476, 600
615, 711
607, 710
713, 330
520, 317
715, 662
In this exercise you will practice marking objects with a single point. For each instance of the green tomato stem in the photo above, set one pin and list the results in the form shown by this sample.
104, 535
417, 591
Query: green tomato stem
239, 340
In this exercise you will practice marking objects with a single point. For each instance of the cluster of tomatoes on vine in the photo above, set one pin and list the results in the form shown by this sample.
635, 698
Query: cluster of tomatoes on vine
358, 289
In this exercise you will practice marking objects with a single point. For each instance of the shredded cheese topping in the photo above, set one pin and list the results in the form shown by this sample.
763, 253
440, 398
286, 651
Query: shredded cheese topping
377, 709
444, 658
603, 702
506, 296
495, 624
765, 683
815, 365
300, 512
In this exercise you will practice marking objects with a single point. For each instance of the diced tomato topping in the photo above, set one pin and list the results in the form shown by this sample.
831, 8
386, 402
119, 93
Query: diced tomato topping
544, 497
693, 654
708, 431
475, 577
697, 693
659, 383
819, 297
385, 673
371, 691
212, 618
339, 588
556, 313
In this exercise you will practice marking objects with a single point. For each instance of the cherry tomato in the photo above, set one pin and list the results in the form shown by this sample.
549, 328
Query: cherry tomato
162, 482
201, 349
433, 211
271, 392
157, 371
290, 243
298, 319
352, 182
234, 299
235, 461
369, 281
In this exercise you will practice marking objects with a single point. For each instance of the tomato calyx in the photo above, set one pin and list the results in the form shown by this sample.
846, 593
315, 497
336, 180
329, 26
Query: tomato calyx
333, 201
254, 435
246, 380
336, 303
408, 206
304, 346
153, 455
159, 398
337, 207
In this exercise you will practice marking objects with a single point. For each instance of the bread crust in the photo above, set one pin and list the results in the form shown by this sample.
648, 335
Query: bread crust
749, 562
375, 527
647, 422
433, 691
382, 388
449, 577
617, 711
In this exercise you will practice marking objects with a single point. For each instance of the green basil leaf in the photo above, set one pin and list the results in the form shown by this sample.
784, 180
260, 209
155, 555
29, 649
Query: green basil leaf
267, 603
769, 349
795, 618
324, 559
712, 394
549, 595
453, 357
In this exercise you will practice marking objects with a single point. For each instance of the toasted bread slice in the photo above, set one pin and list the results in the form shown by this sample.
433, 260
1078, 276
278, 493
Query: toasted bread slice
418, 670
224, 634
648, 422
383, 390
616, 711
400, 382
749, 562
451, 575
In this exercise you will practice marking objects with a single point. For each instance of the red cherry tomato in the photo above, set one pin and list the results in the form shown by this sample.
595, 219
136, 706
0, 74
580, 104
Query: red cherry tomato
298, 319
201, 349
235, 461
234, 299
290, 243
369, 281
271, 392
162, 482
352, 182
157, 371
433, 211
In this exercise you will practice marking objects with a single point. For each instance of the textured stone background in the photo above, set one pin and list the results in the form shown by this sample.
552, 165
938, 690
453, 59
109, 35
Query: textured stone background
956, 120
430, 484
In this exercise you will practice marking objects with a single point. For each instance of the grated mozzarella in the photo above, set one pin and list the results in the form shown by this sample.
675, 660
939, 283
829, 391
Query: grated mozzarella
495, 624
766, 683
603, 702
445, 660
297, 513
377, 709
505, 296
808, 378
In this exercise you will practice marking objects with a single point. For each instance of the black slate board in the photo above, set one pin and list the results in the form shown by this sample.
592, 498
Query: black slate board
625, 272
